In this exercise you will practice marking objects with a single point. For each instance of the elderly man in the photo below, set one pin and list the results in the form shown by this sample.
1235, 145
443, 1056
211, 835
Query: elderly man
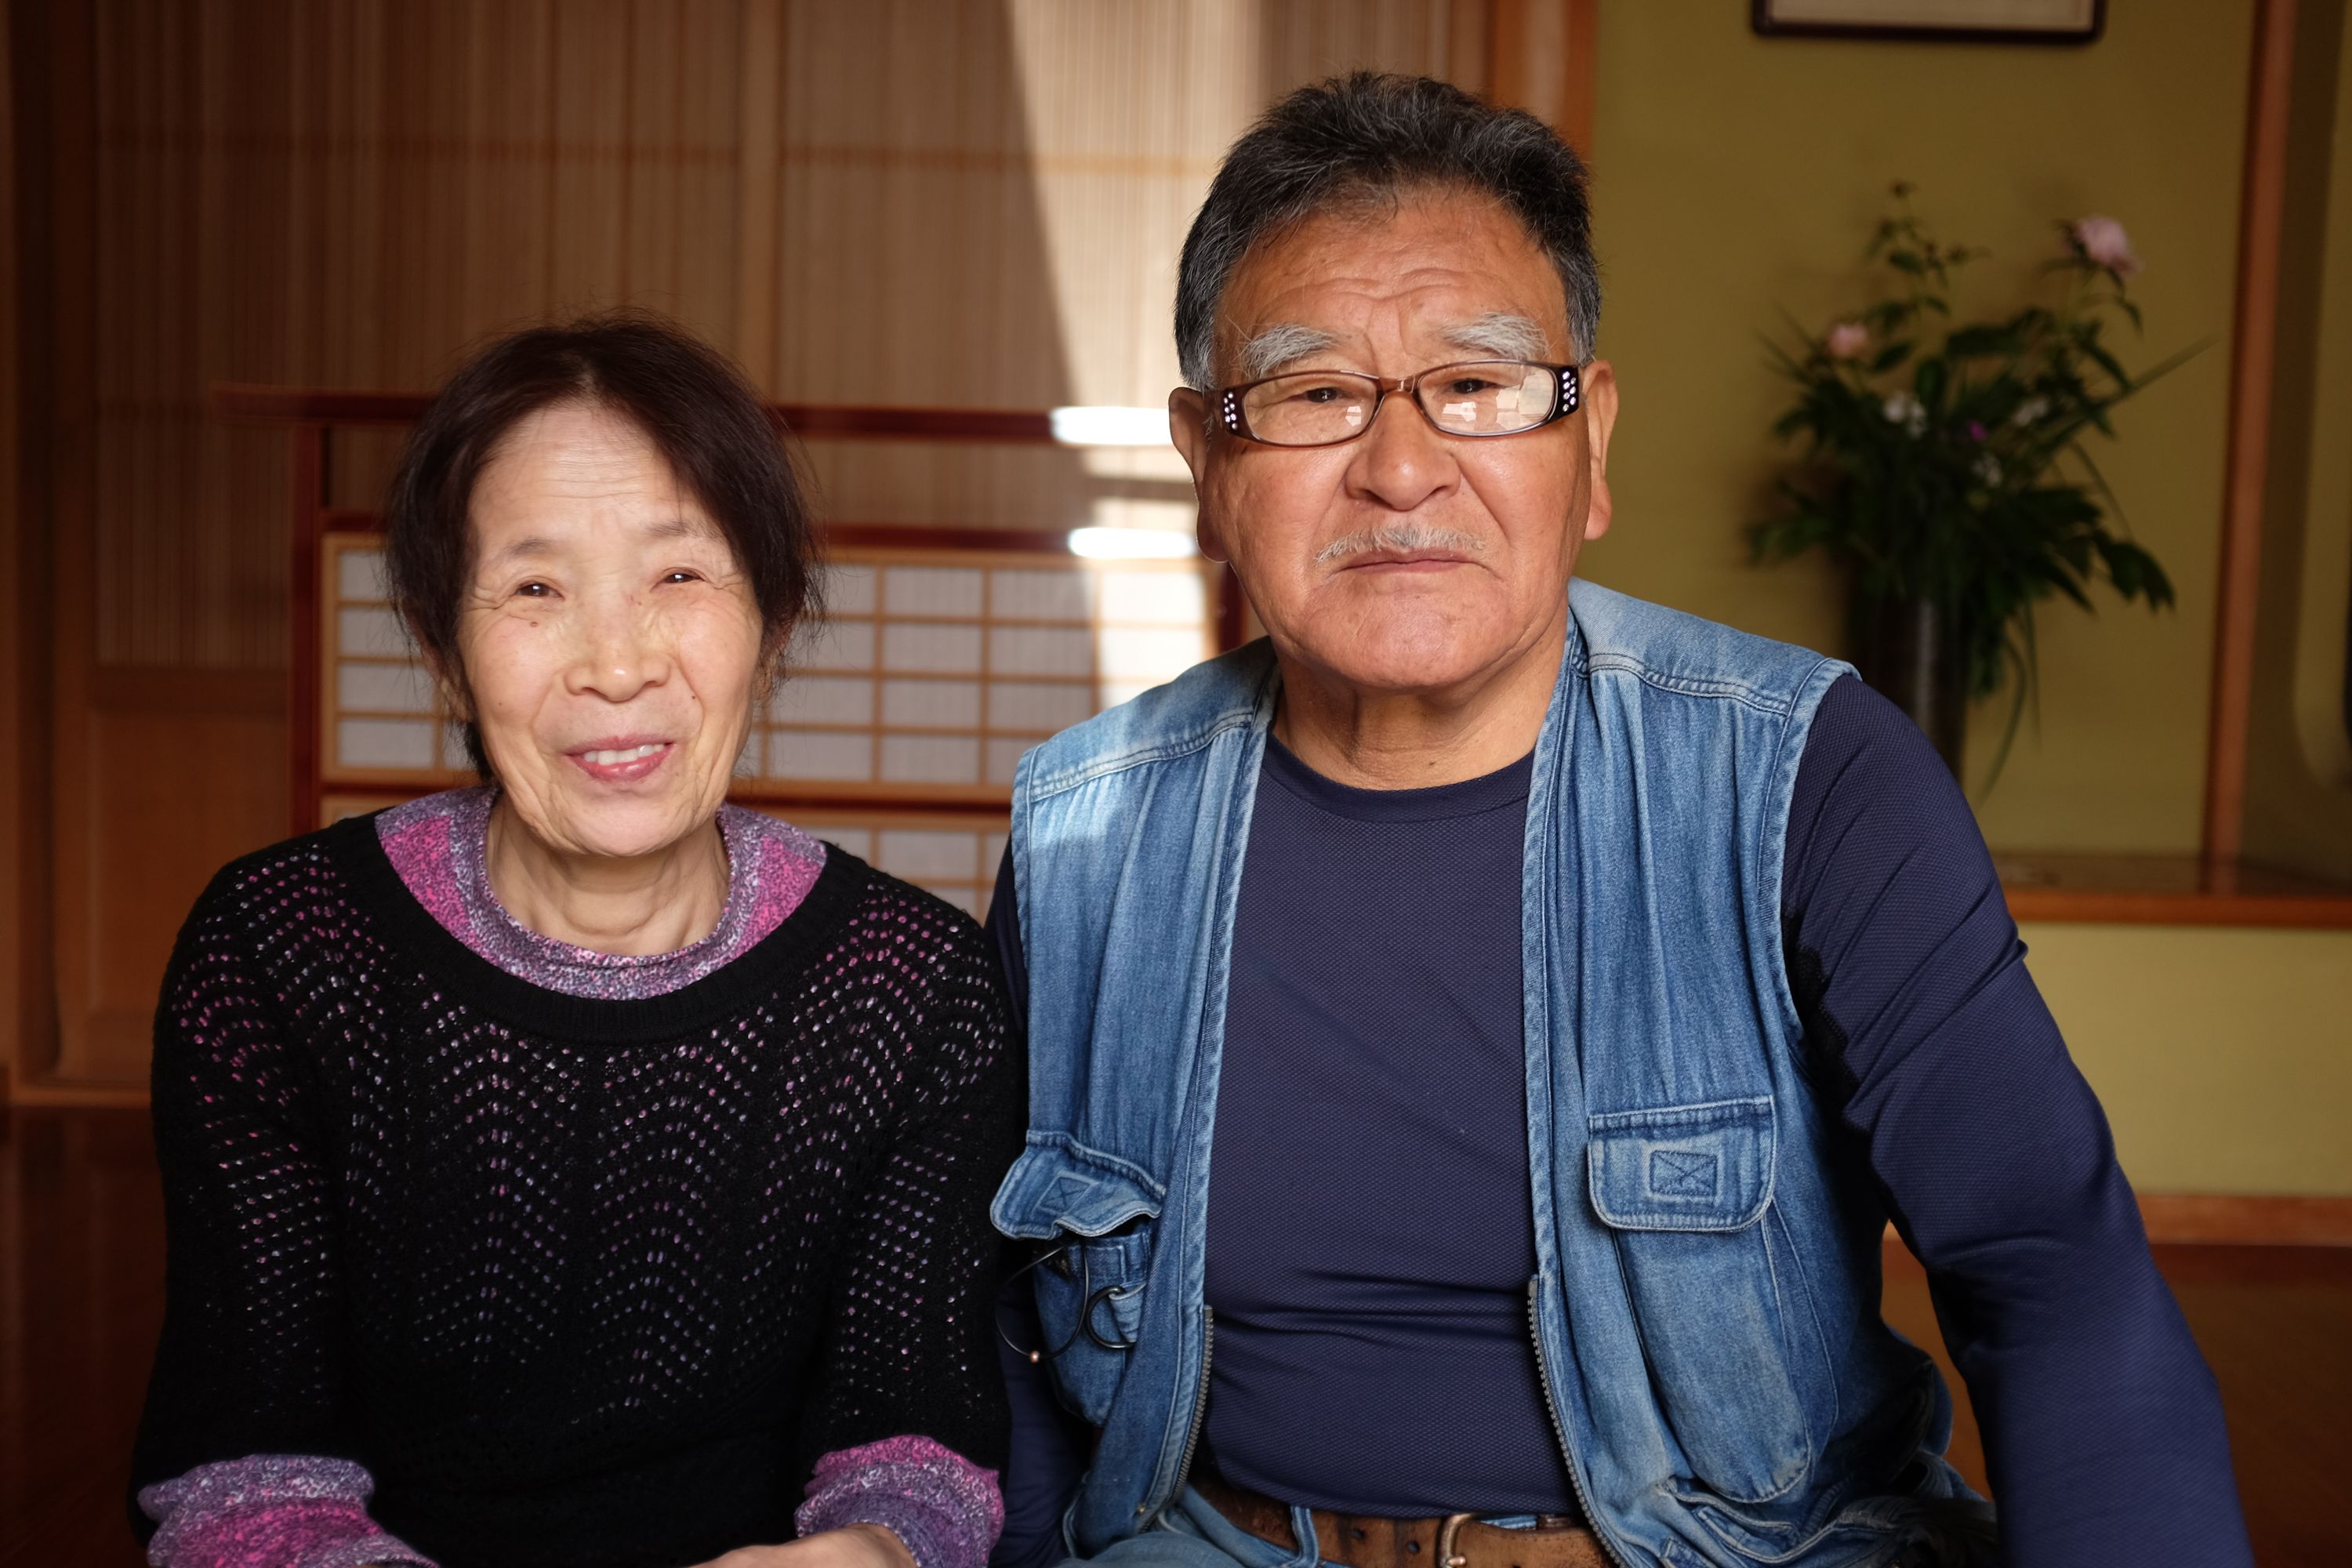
1479, 1034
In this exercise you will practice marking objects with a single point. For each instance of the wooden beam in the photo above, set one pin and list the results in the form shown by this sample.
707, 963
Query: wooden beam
2255, 1219
758, 168
2253, 364
1010, 426
1576, 89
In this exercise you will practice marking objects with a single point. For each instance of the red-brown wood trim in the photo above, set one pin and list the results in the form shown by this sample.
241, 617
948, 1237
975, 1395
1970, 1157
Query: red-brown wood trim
2247, 1219
1576, 107
2087, 906
1006, 426
1011, 426
2239, 1219
2262, 203
843, 535
305, 699
944, 536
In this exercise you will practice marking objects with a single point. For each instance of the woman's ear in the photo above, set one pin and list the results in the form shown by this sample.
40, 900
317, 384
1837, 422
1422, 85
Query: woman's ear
457, 700
773, 648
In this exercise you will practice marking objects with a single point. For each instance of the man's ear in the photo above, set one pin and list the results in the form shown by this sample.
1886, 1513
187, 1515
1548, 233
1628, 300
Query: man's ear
1188, 426
1599, 386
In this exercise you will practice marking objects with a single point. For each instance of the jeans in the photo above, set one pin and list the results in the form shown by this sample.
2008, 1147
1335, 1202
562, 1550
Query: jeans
1194, 1535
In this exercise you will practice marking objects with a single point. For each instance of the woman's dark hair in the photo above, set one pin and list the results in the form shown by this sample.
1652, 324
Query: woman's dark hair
690, 402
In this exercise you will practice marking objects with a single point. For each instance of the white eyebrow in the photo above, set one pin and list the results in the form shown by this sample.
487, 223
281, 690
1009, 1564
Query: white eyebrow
1502, 335
1269, 351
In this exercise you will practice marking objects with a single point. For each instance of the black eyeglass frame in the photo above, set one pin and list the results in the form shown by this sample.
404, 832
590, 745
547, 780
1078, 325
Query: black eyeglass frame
1567, 396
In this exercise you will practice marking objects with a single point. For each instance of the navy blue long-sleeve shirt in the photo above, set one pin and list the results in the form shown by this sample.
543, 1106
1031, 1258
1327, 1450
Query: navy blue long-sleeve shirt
1367, 1022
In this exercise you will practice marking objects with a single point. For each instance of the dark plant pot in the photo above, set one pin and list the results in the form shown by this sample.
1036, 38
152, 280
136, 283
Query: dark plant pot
1912, 654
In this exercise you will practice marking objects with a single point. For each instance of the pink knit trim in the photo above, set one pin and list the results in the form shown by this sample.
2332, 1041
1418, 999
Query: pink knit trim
270, 1510
947, 1509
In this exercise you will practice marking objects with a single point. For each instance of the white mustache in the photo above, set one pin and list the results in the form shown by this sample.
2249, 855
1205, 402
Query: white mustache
1403, 538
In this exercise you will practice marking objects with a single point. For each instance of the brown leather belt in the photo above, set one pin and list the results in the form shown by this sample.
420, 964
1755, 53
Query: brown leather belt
1453, 1540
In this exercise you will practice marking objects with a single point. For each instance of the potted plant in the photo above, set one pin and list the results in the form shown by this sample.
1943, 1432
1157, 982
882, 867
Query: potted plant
1944, 467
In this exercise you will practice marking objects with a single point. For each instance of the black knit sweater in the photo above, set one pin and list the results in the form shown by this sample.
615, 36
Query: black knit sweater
581, 1282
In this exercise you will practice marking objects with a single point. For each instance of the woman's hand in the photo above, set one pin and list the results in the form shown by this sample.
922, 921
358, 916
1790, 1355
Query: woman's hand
854, 1546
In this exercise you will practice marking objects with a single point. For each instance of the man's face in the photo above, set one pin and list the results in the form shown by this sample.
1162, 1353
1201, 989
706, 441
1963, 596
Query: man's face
1404, 561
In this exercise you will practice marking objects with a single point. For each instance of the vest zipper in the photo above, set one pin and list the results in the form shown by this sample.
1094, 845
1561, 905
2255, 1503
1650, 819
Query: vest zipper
1559, 1427
1200, 1408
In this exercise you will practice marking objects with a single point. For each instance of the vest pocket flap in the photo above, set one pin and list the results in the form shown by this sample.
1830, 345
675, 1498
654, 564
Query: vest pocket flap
1063, 1189
1683, 1167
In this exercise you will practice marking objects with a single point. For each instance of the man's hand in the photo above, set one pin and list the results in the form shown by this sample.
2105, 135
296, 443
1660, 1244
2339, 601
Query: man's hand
854, 1546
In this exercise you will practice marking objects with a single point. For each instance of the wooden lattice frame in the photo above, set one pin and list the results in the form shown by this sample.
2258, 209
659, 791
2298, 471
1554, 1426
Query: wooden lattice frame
314, 417
935, 669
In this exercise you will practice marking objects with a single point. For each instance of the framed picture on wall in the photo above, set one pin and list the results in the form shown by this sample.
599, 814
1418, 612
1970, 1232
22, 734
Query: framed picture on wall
1934, 21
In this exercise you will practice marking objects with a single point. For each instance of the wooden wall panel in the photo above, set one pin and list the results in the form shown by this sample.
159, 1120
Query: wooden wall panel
902, 201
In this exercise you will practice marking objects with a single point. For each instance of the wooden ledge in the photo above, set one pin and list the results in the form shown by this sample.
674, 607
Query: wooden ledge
2167, 889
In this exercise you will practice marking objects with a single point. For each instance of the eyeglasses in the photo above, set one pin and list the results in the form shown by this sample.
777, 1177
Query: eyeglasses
1325, 407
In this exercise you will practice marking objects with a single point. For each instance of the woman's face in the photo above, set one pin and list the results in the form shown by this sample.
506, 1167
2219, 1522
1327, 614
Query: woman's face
610, 641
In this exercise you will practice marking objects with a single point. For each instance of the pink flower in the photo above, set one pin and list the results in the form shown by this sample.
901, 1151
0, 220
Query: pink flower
1847, 339
2104, 243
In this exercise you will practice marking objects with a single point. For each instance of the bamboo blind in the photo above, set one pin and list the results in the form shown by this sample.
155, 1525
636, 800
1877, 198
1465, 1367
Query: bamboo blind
904, 201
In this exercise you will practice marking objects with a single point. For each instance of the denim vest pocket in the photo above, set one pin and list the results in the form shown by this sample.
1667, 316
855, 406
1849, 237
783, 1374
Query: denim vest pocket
1684, 1188
1098, 1214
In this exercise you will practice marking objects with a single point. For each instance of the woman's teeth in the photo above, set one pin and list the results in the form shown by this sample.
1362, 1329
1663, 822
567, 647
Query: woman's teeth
606, 759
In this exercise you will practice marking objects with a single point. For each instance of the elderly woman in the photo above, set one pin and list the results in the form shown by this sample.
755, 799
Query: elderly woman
578, 1170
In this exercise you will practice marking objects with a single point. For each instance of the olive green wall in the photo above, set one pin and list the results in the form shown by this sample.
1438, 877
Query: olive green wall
1736, 177
2223, 1057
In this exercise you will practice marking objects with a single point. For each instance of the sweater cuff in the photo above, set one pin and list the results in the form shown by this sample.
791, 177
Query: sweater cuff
947, 1509
271, 1511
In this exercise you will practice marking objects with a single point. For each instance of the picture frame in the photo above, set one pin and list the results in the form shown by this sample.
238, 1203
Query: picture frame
2074, 22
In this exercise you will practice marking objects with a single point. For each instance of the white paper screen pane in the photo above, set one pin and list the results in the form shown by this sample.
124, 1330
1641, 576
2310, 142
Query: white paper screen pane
934, 590
370, 631
1134, 652
849, 591
358, 575
842, 645
1111, 693
820, 754
992, 854
916, 853
1154, 598
931, 704
857, 841
1041, 650
1037, 706
930, 759
921, 644
384, 742
383, 688
1022, 596
824, 699
1003, 756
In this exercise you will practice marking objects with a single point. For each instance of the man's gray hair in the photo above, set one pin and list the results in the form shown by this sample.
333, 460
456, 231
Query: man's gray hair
1367, 138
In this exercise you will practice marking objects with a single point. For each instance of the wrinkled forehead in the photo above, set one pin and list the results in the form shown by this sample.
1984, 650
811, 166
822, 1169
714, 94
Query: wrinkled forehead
1438, 267
577, 473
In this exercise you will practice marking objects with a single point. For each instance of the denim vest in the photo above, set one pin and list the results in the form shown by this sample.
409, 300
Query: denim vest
1706, 1310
